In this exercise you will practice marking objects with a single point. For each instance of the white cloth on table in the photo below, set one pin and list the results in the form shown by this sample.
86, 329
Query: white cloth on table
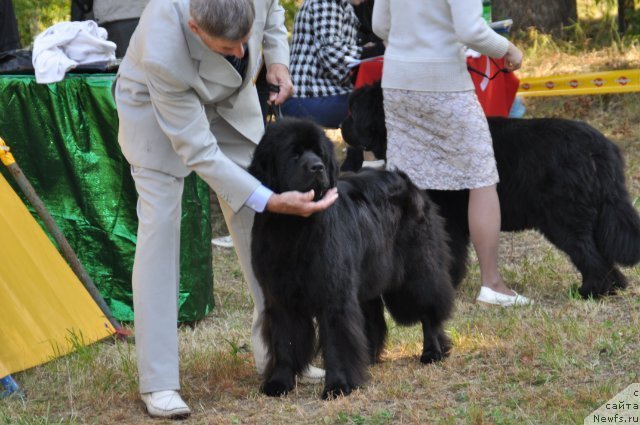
65, 45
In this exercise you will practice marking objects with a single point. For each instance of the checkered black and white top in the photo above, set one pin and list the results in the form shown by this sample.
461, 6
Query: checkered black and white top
324, 36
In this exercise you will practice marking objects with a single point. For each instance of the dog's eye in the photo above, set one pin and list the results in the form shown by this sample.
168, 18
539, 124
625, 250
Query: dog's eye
295, 157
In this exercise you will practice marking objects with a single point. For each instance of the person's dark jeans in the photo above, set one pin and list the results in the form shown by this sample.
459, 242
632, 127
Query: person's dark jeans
328, 111
263, 92
120, 33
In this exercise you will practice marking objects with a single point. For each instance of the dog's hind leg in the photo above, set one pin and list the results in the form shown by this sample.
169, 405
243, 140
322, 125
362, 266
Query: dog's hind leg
436, 345
375, 327
459, 247
452, 207
291, 341
344, 346
429, 305
598, 274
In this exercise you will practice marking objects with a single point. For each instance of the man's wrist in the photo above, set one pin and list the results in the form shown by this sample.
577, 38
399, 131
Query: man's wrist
259, 198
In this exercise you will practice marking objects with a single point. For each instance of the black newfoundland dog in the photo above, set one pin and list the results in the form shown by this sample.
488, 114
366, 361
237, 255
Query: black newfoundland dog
560, 177
381, 240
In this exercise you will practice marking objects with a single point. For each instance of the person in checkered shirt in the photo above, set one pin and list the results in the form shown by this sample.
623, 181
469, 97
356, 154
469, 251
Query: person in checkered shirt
325, 42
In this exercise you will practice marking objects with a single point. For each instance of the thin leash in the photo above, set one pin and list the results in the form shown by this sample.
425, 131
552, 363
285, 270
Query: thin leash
495, 75
274, 113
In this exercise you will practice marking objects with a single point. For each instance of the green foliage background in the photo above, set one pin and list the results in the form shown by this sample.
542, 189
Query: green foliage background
35, 16
290, 8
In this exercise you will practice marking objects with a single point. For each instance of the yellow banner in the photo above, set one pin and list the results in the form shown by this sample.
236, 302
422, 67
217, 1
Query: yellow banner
623, 81
45, 311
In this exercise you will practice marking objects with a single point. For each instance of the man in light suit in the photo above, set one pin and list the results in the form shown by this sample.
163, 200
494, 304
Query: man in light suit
187, 102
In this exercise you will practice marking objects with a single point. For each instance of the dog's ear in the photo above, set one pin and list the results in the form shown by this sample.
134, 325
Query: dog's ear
366, 128
377, 125
263, 165
331, 163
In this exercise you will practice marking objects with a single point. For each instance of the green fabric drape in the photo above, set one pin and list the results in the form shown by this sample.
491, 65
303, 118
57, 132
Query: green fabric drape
64, 137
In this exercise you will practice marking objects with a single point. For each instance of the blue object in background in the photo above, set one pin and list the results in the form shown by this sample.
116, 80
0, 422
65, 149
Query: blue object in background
517, 108
10, 386
502, 27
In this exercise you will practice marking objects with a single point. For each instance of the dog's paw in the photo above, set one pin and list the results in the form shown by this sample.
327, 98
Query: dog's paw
375, 357
619, 280
445, 345
618, 286
331, 392
275, 388
432, 355
590, 292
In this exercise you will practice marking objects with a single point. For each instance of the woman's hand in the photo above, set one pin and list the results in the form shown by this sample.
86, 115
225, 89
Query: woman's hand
513, 58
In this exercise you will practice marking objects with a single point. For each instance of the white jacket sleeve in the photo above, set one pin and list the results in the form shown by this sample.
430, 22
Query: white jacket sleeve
381, 19
183, 120
473, 31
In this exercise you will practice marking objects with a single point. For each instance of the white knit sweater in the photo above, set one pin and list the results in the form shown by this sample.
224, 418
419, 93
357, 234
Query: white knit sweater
425, 40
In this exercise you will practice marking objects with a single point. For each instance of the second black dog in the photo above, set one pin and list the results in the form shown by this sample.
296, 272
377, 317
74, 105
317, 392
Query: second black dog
560, 177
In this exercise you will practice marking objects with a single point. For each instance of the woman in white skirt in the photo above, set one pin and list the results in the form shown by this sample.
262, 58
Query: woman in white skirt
437, 131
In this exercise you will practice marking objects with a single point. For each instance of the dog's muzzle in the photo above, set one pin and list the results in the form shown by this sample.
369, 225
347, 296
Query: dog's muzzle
315, 172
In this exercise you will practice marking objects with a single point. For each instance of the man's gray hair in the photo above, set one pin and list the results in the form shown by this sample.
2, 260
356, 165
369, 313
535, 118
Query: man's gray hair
227, 19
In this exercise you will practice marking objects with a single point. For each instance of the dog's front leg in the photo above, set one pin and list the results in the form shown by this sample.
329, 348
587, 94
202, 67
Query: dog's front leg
344, 346
277, 332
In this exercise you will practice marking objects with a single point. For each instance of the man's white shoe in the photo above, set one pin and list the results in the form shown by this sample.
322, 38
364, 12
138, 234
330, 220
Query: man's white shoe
489, 296
223, 241
165, 404
378, 164
311, 375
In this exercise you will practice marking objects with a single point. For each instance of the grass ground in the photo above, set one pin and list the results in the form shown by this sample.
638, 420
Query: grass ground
551, 363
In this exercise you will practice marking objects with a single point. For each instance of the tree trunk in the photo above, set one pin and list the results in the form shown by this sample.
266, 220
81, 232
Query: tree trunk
9, 36
625, 13
545, 15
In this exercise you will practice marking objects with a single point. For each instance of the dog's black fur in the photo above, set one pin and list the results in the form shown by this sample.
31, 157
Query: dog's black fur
560, 177
381, 240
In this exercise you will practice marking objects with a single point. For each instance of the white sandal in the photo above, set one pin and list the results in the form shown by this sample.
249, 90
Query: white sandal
489, 296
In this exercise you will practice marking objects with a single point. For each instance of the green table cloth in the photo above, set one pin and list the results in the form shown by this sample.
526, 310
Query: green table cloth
64, 137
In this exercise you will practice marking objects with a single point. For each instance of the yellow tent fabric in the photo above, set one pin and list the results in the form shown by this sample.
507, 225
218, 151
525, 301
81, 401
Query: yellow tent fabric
45, 311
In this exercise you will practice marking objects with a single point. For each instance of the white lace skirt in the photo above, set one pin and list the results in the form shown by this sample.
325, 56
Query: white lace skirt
440, 139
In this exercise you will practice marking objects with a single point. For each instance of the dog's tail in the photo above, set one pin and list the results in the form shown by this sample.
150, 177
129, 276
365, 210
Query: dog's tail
618, 232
